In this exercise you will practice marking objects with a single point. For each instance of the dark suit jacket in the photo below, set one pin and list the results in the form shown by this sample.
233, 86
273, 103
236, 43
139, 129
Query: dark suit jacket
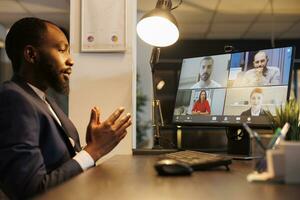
35, 152
248, 113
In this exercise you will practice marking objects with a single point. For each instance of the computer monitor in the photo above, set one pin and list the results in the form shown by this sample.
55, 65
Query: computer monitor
229, 89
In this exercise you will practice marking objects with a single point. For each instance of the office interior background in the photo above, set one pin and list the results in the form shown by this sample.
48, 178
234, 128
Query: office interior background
110, 79
206, 27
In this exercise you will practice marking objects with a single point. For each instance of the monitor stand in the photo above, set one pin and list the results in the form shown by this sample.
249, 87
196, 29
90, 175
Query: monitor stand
238, 144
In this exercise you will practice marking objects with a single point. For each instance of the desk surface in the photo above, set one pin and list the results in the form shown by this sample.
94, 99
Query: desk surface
134, 177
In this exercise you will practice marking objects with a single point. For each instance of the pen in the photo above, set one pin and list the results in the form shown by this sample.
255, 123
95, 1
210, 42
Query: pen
255, 135
282, 135
274, 138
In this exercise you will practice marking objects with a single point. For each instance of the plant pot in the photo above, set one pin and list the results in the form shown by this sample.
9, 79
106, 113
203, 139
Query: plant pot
291, 151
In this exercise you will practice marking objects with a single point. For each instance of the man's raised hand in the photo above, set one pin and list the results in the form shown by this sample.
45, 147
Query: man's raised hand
102, 137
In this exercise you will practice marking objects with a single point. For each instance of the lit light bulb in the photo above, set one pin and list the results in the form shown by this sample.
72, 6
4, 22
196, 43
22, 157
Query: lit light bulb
157, 31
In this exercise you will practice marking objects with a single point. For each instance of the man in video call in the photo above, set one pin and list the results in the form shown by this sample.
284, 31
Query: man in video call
206, 68
39, 145
256, 100
261, 74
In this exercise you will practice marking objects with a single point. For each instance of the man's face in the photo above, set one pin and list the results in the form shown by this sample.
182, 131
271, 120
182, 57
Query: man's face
256, 100
54, 60
260, 61
206, 69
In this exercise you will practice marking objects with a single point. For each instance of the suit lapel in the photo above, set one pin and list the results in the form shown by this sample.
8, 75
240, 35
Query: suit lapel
67, 127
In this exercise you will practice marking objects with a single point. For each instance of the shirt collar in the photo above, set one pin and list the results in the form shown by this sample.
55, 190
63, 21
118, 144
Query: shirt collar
39, 92
255, 112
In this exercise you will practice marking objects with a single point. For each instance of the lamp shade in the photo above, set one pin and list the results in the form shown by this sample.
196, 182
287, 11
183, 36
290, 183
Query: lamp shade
158, 28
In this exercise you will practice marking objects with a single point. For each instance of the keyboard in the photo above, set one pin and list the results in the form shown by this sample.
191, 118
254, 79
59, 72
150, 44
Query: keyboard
200, 160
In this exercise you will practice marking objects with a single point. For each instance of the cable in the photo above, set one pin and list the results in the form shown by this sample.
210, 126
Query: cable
180, 2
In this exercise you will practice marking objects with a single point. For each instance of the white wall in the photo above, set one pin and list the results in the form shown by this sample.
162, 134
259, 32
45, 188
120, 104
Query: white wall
103, 79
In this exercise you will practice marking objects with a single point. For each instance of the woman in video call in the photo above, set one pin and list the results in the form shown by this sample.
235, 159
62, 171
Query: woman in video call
256, 99
201, 106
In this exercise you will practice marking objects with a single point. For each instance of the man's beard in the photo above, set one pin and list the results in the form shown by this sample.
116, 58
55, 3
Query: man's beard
205, 76
54, 77
58, 83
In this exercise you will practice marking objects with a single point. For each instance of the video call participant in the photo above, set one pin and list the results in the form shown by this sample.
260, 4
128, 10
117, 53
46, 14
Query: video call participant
206, 68
201, 106
256, 100
35, 149
261, 74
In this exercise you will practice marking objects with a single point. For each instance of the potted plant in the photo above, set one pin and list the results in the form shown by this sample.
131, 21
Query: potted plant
291, 146
287, 113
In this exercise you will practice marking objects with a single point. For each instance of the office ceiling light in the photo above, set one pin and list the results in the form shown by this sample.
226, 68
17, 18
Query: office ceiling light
159, 27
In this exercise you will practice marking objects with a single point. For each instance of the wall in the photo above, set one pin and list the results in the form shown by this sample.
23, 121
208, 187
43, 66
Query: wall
103, 79
5, 66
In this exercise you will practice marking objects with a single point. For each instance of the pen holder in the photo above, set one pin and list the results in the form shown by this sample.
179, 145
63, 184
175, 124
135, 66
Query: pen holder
275, 163
283, 163
291, 150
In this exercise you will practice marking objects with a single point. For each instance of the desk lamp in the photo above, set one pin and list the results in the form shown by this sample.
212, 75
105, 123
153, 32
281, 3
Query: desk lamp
159, 29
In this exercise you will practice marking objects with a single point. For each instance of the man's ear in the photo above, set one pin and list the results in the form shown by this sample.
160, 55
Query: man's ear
30, 54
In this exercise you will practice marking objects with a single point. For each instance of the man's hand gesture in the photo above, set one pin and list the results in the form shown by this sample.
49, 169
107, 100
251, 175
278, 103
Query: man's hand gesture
102, 137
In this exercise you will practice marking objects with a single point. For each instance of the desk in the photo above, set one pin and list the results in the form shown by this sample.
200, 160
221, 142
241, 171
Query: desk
133, 177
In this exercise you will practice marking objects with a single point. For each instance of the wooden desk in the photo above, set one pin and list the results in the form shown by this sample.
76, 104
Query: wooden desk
134, 177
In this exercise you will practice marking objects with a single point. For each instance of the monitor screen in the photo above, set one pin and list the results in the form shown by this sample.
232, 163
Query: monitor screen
233, 88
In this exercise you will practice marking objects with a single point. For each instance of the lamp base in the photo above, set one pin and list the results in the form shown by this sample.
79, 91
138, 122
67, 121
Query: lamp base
156, 143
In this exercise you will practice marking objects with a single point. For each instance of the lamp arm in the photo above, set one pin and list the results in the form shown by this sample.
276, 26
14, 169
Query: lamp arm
154, 57
153, 61
157, 118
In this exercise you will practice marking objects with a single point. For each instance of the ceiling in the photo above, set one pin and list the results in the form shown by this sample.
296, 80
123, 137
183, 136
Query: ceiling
234, 19
197, 19
56, 11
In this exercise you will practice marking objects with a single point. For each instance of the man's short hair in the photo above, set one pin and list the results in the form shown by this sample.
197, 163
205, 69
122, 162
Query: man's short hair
256, 90
207, 58
261, 51
26, 31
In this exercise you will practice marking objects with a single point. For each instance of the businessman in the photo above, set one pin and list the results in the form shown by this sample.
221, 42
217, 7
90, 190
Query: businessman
206, 68
39, 145
261, 74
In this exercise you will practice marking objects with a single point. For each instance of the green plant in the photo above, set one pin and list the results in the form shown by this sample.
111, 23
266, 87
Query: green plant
287, 113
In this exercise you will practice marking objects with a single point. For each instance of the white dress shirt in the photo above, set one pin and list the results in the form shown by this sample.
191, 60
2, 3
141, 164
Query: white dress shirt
83, 158
271, 77
203, 84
